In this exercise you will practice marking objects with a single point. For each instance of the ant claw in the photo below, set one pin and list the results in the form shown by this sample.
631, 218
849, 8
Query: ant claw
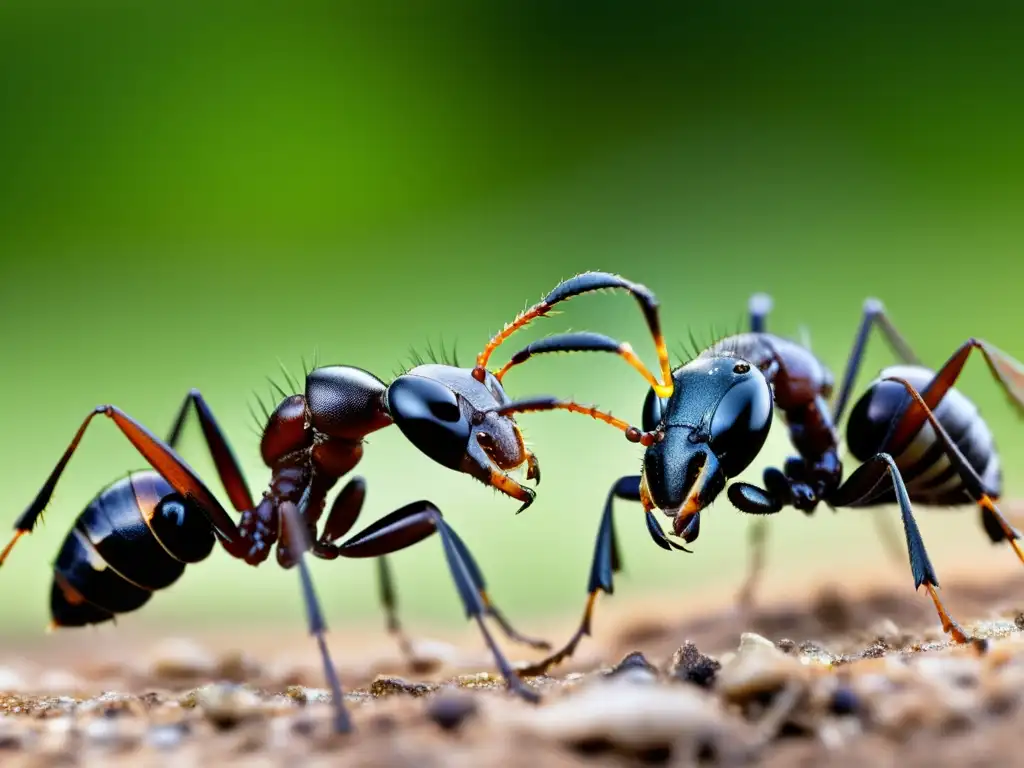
531, 495
533, 469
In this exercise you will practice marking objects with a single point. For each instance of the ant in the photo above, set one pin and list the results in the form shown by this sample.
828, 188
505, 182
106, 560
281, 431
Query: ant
917, 438
137, 536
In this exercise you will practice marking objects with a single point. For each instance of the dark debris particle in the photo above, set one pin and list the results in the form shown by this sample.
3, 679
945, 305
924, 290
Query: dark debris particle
304, 726
9, 741
383, 723
391, 686
786, 645
692, 666
833, 611
450, 710
1018, 621
655, 756
876, 650
844, 701
982, 645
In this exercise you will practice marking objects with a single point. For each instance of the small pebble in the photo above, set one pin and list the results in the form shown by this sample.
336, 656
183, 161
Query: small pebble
389, 686
629, 717
813, 652
634, 668
167, 736
108, 733
236, 667
692, 666
228, 704
449, 709
758, 667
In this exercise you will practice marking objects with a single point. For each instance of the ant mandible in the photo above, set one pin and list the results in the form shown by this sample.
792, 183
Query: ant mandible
918, 439
137, 535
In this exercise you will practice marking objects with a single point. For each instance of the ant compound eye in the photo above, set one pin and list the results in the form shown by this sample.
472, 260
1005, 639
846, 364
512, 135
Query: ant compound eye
429, 415
740, 424
654, 410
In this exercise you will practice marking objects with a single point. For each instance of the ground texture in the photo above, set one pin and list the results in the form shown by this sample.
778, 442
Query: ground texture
840, 679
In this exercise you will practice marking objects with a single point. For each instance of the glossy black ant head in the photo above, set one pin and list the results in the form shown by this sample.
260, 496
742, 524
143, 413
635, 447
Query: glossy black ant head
708, 431
444, 411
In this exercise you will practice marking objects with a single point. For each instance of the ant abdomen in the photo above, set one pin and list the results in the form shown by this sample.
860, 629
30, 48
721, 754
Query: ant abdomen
134, 538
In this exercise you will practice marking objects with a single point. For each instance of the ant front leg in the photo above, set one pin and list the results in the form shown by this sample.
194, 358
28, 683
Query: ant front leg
344, 513
606, 562
410, 525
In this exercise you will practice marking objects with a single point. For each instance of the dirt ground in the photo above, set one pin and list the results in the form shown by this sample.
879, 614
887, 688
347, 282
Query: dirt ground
863, 677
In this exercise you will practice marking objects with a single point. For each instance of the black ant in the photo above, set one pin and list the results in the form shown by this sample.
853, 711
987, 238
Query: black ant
137, 536
918, 439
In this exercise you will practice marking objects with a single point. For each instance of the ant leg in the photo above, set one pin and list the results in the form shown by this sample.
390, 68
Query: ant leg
314, 614
228, 468
757, 544
757, 501
586, 283
1008, 373
492, 610
344, 513
160, 456
873, 314
343, 516
410, 525
995, 523
606, 562
758, 307
859, 489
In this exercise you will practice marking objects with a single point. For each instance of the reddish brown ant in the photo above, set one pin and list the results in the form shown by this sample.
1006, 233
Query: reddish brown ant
137, 536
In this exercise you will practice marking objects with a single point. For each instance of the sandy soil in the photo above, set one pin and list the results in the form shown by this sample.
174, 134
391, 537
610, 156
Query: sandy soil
855, 678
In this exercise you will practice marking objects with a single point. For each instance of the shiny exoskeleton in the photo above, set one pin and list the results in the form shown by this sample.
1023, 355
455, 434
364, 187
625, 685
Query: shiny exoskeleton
919, 440
137, 535
134, 538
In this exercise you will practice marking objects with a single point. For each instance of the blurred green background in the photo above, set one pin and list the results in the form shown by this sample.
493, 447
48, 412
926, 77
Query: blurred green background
188, 195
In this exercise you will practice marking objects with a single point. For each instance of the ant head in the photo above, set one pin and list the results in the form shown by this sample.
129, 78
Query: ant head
443, 411
710, 430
